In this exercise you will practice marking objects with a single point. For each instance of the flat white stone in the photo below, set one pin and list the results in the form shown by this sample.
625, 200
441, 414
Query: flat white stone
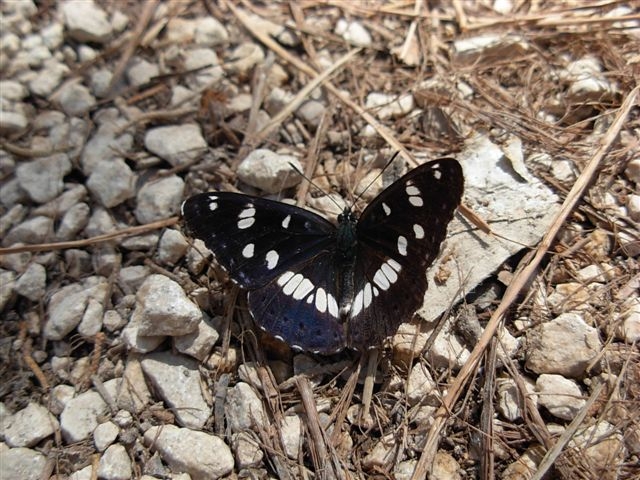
519, 210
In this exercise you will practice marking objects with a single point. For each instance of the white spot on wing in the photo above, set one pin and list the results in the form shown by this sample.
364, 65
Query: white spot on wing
418, 230
402, 246
246, 222
310, 299
368, 295
333, 305
388, 272
248, 212
381, 280
303, 289
285, 222
321, 300
247, 251
387, 210
292, 284
358, 304
393, 264
412, 190
437, 174
213, 206
416, 201
272, 258
284, 278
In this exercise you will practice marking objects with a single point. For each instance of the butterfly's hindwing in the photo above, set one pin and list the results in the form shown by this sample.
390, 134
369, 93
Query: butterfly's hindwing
300, 306
255, 239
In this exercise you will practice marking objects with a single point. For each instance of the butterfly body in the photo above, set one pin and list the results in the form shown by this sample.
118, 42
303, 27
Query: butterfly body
321, 287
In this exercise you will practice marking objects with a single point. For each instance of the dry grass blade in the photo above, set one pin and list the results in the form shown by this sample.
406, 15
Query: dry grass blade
126, 232
566, 436
519, 282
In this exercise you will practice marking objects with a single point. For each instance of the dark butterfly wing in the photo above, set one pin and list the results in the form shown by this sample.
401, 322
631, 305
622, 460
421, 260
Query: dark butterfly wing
255, 240
399, 236
300, 306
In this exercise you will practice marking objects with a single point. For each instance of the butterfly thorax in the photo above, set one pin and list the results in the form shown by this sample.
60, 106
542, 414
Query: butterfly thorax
345, 258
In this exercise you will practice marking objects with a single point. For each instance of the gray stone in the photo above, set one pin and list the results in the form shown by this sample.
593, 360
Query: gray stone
201, 455
76, 100
28, 426
53, 35
80, 416
243, 408
7, 281
60, 395
112, 182
43, 178
162, 308
244, 57
561, 396
115, 464
353, 32
32, 283
172, 247
86, 21
60, 205
177, 380
49, 78
107, 142
22, 463
207, 63
386, 106
67, 306
34, 230
421, 387
210, 32
199, 343
269, 171
141, 72
246, 449
12, 90
73, 222
91, 322
566, 345
291, 430
159, 199
12, 122
104, 435
177, 144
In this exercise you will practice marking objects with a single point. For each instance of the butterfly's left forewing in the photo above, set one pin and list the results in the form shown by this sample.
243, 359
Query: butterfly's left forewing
254, 239
399, 236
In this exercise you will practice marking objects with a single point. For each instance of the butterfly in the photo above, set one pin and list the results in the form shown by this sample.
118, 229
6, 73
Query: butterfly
321, 287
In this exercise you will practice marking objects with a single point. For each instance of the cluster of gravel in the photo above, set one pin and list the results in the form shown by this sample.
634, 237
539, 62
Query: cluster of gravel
124, 335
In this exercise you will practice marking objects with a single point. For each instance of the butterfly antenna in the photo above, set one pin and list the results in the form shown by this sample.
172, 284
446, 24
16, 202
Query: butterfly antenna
393, 157
313, 184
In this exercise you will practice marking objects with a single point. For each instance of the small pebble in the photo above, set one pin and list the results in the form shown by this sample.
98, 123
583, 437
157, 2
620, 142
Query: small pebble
43, 178
176, 379
177, 144
32, 282
86, 21
112, 182
115, 464
212, 458
269, 171
76, 100
353, 32
159, 199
